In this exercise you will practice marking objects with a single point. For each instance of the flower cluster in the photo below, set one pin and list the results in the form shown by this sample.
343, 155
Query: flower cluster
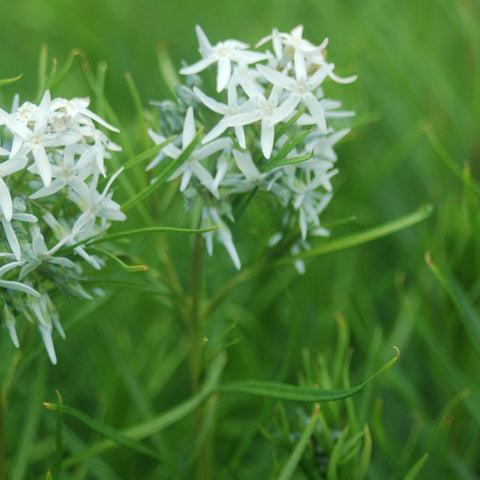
273, 131
51, 162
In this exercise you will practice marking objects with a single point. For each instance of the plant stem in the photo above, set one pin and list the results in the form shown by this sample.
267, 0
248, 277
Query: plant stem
195, 326
2, 442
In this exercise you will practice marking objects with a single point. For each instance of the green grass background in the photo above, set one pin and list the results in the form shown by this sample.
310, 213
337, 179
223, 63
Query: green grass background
418, 63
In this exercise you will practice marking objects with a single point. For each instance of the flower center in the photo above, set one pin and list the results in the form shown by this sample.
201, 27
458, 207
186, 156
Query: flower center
267, 109
301, 88
223, 51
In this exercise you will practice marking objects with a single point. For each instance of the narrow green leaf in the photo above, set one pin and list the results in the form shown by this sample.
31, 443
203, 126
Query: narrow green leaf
362, 465
123, 265
149, 230
362, 237
287, 161
415, 470
467, 312
6, 81
284, 150
111, 433
285, 126
57, 466
56, 79
27, 437
335, 456
161, 422
296, 455
167, 68
42, 71
300, 394
448, 160
147, 154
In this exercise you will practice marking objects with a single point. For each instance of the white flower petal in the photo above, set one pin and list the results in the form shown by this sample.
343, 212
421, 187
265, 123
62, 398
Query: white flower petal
267, 137
223, 73
5, 200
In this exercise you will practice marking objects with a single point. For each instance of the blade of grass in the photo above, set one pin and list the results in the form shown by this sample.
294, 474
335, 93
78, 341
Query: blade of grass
362, 237
114, 435
467, 312
57, 466
415, 470
20, 464
284, 391
296, 455
161, 422
6, 81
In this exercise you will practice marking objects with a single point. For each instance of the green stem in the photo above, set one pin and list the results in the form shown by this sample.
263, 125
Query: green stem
2, 442
195, 326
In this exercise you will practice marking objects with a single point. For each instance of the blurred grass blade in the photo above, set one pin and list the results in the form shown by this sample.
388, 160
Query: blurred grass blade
415, 470
362, 467
362, 237
6, 81
141, 123
466, 310
292, 462
336, 455
111, 433
284, 391
448, 160
57, 466
56, 79
167, 68
42, 71
19, 467
161, 422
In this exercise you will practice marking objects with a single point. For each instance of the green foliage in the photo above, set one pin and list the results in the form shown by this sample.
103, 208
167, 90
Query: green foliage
124, 368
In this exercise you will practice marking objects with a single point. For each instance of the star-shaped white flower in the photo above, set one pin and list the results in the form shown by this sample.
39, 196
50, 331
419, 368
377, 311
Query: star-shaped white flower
14, 285
67, 171
192, 166
39, 139
301, 88
268, 110
233, 107
224, 54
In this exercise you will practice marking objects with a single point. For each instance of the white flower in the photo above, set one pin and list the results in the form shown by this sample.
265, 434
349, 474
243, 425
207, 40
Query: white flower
308, 200
39, 253
77, 108
293, 46
94, 204
14, 285
37, 140
74, 235
223, 53
9, 319
210, 218
47, 318
228, 110
268, 110
10, 232
67, 171
192, 165
12, 165
301, 89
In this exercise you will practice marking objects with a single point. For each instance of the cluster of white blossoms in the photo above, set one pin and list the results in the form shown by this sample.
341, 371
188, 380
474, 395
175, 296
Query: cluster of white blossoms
272, 131
51, 161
